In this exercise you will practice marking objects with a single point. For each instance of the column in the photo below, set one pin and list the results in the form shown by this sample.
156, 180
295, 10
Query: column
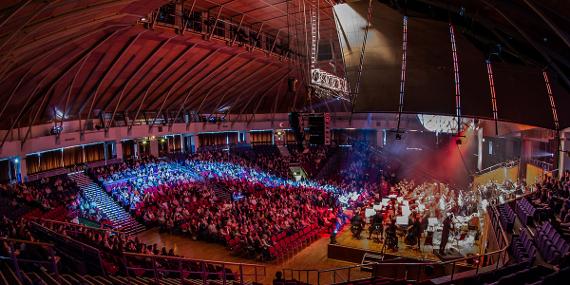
195, 142
178, 17
564, 155
154, 148
22, 169
119, 149
182, 144
480, 149
136, 149
526, 155
105, 152
380, 137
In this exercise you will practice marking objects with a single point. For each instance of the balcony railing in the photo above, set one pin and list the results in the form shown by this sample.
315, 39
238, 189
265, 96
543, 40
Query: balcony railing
200, 271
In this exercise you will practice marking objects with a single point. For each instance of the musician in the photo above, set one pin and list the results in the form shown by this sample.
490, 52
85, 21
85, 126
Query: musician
414, 231
357, 224
445, 233
376, 225
391, 237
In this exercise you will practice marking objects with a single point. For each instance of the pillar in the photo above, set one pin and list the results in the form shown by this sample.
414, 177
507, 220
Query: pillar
182, 144
119, 149
564, 158
154, 148
106, 153
526, 155
480, 149
380, 137
136, 149
22, 170
195, 142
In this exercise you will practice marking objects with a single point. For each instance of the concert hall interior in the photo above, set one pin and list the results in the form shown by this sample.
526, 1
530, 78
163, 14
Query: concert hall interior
284, 142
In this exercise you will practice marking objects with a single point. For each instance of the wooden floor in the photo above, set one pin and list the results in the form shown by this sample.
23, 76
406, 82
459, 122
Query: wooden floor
313, 256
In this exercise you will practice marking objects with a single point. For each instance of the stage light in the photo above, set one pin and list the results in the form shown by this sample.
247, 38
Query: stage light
398, 137
16, 160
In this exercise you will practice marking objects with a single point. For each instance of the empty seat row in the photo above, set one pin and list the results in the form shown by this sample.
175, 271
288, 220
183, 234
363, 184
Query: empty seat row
507, 216
525, 211
522, 248
550, 243
524, 276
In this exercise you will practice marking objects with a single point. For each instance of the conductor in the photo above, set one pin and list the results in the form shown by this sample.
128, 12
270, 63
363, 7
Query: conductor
357, 224
445, 233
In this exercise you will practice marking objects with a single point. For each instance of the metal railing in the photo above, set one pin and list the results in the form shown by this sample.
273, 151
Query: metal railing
199, 270
510, 163
15, 258
90, 257
415, 271
77, 227
334, 275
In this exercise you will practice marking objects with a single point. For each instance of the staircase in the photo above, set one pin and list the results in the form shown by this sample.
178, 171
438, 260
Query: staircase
121, 219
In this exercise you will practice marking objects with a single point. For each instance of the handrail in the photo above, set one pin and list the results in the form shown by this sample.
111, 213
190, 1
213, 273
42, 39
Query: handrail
510, 163
82, 245
26, 241
204, 272
16, 260
80, 226
503, 242
179, 258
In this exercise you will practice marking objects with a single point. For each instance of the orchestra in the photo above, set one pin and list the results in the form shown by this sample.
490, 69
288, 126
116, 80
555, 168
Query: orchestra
413, 212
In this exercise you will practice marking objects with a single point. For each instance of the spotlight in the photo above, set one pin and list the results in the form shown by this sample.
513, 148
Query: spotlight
398, 137
16, 160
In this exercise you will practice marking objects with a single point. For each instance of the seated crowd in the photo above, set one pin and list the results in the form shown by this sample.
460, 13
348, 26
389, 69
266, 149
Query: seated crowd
46, 193
185, 202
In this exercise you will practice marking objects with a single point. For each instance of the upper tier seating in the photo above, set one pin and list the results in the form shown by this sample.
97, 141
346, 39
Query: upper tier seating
526, 211
550, 243
522, 247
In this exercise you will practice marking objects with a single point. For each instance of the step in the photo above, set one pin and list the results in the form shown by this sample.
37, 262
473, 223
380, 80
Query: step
108, 206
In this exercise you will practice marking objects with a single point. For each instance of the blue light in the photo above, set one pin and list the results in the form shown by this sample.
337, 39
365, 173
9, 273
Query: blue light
16, 160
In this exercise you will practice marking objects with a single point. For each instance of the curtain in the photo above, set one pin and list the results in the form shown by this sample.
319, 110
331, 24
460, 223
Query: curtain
128, 149
72, 156
177, 143
33, 163
261, 138
94, 152
5, 170
214, 139
51, 160
290, 137
232, 137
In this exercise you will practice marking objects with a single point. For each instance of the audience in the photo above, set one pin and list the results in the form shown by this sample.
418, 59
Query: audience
46, 193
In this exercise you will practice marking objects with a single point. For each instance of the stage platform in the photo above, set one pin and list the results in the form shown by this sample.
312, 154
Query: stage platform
351, 249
